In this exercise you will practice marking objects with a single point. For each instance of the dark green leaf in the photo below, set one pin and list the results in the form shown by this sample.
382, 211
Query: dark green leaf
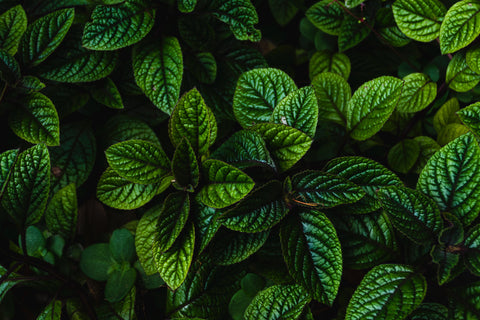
119, 283
185, 166
418, 92
446, 114
203, 66
284, 10
352, 32
459, 76
145, 239
186, 5
7, 162
122, 245
61, 213
206, 223
96, 261
13, 24
122, 127
430, 311
388, 30
53, 311
171, 221
106, 93
9, 69
472, 243
470, 116
403, 156
327, 16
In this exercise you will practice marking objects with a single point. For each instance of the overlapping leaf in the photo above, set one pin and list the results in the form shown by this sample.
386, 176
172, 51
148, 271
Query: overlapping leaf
328, 61
121, 128
171, 220
145, 238
9, 69
13, 24
283, 10
327, 16
473, 59
388, 29
418, 92
403, 156
206, 223
446, 114
459, 76
472, 256
61, 212
185, 166
333, 93
470, 116
186, 5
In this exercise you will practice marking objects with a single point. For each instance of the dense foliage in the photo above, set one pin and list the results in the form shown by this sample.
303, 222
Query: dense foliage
237, 159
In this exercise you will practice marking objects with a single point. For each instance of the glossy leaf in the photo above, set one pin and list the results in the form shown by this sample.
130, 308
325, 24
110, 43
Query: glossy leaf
145, 238
403, 156
171, 220
418, 92
352, 33
472, 256
9, 69
53, 311
459, 76
13, 24
206, 223
328, 61
327, 16
122, 127
61, 213
470, 116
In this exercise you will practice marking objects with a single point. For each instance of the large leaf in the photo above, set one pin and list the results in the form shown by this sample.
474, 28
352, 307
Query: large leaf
61, 212
36, 120
258, 92
171, 220
284, 302
13, 24
44, 35
470, 116
225, 184
96, 261
26, 193
139, 161
327, 16
388, 291
418, 92
452, 179
328, 61
473, 59
259, 211
371, 106
158, 70
459, 76
115, 27
447, 114
145, 238
419, 19
312, 252
461, 26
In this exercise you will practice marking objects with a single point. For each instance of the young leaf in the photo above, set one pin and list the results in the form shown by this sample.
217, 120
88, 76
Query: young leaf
185, 166
328, 61
158, 70
171, 221
225, 184
119, 283
418, 92
403, 156
53, 311
122, 246
284, 10
206, 223
13, 24
452, 176
9, 69
61, 213
327, 16
312, 252
257, 94
371, 106
96, 261
115, 27
389, 291
44, 35
459, 76
472, 256
138, 161
186, 6
105, 92
145, 239
470, 116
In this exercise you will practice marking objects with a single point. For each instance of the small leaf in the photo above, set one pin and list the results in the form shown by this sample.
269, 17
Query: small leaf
446, 114
96, 261
119, 283
61, 213
388, 30
145, 239
53, 311
206, 223
115, 27
328, 61
403, 156
459, 76
428, 147
446, 262
106, 93
171, 220
418, 92
203, 66
284, 10
9, 69
31, 84
186, 6
185, 166
122, 246
472, 256
13, 24
470, 116
430, 311
7, 161
387, 289
352, 32
327, 16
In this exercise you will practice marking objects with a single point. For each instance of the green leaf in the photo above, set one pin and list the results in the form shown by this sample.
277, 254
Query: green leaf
31, 84
173, 265
185, 166
171, 221
119, 283
239, 303
327, 16
464, 301
470, 116
203, 66
284, 10
259, 211
459, 76
450, 132
284, 302
206, 223
244, 149
328, 61
9, 69
371, 106
333, 93
428, 147
44, 35
158, 70
119, 193
138, 161
323, 190
446, 262
186, 6
225, 184
115, 27
240, 15
298, 110
472, 256
9, 281
412, 213
287, 145
194, 121
36, 120
122, 245
145, 238
26, 193
53, 311
105, 92
446, 114
352, 32
418, 92
96, 261
7, 162
257, 94
312, 252
430, 311
388, 30
388, 291
122, 127
473, 62
403, 156
452, 176
61, 213
13, 24
35, 242
460, 26
419, 19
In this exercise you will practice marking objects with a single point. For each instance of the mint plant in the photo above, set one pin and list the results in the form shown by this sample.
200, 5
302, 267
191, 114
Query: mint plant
187, 160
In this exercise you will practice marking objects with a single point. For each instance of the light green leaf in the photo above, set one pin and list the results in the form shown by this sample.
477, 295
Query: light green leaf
122, 246
203, 66
333, 93
106, 93
472, 256
122, 127
186, 5
9, 69
139, 161
225, 184
26, 193
284, 10
115, 27
461, 26
459, 76
388, 291
371, 106
470, 116
450, 132
353, 3
403, 156
44, 35
284, 302
388, 29
298, 110
327, 16
61, 213
328, 61
418, 92
446, 114
451, 178
96, 261
7, 162
158, 70
119, 283
53, 311
258, 211
145, 238
37, 120
352, 32
419, 19
312, 252
171, 221
286, 144
185, 166
473, 62
257, 94
13, 24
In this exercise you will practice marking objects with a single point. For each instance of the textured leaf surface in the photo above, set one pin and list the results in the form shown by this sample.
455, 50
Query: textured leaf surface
186, 5
9, 69
430, 311
312, 252
122, 127
53, 311
139, 161
472, 256
44, 35
257, 94
388, 291
464, 301
115, 27
105, 92
428, 147
371, 106
470, 116
96, 260
37, 120
206, 223
333, 93
225, 184
473, 59
419, 19
352, 33
278, 302
328, 61
450, 132
13, 24
145, 239
446, 114
61, 212
326, 16
7, 161
403, 156
459, 76
418, 92
388, 29
171, 221
185, 166
451, 178
158, 70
